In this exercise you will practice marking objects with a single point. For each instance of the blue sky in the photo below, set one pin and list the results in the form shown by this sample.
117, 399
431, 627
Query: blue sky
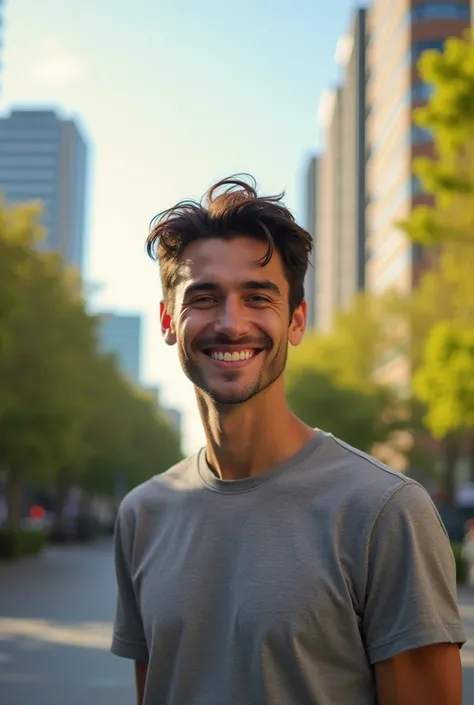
173, 95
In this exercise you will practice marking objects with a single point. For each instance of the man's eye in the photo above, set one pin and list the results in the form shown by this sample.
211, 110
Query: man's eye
258, 299
203, 300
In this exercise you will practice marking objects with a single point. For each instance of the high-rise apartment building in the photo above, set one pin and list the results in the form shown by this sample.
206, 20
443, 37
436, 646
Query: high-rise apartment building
43, 157
341, 226
328, 214
121, 335
399, 32
1, 43
311, 179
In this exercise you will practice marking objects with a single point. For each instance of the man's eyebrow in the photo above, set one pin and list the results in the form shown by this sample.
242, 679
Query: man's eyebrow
261, 285
201, 286
254, 284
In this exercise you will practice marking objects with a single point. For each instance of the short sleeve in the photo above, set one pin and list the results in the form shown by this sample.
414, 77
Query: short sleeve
411, 580
128, 636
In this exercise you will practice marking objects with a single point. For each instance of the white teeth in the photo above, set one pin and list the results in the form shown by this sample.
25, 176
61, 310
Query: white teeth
232, 356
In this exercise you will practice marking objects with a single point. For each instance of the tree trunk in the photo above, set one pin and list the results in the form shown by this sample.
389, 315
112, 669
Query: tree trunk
451, 457
14, 497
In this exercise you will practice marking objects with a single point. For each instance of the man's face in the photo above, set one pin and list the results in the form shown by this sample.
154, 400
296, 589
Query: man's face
231, 319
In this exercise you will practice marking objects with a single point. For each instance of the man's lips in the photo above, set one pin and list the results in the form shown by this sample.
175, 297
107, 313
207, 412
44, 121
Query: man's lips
231, 356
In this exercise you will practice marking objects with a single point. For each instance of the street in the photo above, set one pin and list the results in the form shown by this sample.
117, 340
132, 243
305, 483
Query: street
56, 615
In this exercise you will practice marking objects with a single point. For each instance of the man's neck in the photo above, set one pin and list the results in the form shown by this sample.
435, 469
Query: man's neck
247, 439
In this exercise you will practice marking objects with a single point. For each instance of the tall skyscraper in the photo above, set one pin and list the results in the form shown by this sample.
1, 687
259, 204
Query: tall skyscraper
121, 336
310, 224
399, 32
341, 226
43, 157
328, 214
2, 3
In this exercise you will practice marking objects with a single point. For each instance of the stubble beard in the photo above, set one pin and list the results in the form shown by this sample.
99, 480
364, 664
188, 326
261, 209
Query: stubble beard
267, 376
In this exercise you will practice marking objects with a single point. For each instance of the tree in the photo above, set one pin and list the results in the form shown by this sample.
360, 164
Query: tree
445, 294
49, 338
352, 415
330, 378
449, 173
363, 335
445, 383
126, 436
67, 416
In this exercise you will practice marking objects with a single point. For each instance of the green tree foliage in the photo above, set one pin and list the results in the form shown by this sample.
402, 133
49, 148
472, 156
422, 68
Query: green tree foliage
65, 411
330, 378
445, 380
449, 174
354, 416
441, 312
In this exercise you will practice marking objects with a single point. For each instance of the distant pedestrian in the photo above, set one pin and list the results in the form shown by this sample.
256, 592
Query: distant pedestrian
278, 565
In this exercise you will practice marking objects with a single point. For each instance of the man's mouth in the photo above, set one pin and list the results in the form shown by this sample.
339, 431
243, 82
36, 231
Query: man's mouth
228, 355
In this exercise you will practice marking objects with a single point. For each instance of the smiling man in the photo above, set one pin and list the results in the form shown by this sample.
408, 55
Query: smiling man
277, 566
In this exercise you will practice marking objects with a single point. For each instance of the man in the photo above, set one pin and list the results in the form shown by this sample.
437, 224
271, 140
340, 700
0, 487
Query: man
278, 566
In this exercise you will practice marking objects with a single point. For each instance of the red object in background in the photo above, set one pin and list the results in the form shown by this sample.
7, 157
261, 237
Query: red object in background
37, 512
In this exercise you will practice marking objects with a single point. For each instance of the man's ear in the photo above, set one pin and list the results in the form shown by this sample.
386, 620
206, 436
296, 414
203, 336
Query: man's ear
297, 325
167, 329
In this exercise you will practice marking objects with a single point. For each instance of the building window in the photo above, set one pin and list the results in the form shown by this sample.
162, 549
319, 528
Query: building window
8, 134
421, 91
416, 186
419, 48
13, 176
420, 135
441, 11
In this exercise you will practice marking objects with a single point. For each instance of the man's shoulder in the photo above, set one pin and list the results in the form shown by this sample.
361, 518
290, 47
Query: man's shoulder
149, 494
354, 472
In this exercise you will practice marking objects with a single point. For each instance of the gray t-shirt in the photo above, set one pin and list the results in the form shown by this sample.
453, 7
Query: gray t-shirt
282, 588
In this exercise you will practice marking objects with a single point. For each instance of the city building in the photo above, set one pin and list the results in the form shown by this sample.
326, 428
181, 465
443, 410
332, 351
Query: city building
310, 224
43, 158
2, 3
121, 335
399, 32
341, 187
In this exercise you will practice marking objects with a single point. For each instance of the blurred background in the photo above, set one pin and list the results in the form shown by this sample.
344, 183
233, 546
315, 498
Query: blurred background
110, 113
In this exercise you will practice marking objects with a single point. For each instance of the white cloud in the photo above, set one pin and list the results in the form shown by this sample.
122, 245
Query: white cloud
57, 66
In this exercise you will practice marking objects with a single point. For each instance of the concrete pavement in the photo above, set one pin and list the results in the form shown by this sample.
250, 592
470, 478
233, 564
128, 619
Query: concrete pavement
56, 615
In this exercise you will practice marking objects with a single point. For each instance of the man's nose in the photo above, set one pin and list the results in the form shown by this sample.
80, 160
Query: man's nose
232, 320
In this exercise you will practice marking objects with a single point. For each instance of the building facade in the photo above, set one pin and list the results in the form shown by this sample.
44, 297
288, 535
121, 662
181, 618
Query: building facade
399, 32
121, 335
2, 14
44, 158
311, 177
341, 224
328, 214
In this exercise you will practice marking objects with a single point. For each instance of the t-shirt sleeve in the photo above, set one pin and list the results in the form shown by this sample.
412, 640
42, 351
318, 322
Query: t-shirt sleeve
411, 579
128, 635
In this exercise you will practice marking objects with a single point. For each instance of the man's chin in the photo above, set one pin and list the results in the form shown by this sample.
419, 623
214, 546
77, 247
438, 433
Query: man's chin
229, 397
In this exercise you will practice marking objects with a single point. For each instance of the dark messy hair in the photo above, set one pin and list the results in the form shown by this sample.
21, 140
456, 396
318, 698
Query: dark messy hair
231, 208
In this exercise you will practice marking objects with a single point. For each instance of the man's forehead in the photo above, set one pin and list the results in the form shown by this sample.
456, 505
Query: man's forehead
203, 266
